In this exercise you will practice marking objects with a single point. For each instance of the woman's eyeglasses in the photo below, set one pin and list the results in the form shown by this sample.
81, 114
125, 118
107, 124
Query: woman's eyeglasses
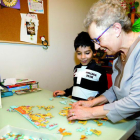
96, 40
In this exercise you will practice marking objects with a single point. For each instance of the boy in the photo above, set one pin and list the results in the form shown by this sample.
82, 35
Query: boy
90, 80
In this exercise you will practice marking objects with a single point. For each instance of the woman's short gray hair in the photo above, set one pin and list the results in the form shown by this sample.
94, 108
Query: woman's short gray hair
106, 12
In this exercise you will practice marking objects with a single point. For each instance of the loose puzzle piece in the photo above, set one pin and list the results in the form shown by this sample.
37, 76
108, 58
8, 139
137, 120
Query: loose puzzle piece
67, 107
63, 97
73, 101
104, 119
83, 122
63, 102
66, 133
71, 122
80, 129
88, 132
63, 112
52, 126
58, 96
40, 107
61, 130
46, 108
83, 137
101, 121
51, 99
96, 132
98, 123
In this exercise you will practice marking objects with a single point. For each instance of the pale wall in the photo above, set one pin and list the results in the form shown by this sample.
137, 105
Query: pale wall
52, 68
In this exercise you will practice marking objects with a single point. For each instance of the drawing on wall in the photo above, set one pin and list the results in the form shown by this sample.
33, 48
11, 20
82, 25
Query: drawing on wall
36, 6
11, 3
29, 28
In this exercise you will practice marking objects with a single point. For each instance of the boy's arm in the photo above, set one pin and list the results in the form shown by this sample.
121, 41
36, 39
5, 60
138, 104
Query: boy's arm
68, 91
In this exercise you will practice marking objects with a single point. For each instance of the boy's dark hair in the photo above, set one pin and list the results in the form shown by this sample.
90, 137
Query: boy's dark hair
83, 39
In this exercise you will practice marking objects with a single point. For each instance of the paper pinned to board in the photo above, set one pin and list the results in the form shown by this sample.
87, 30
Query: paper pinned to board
29, 28
36, 6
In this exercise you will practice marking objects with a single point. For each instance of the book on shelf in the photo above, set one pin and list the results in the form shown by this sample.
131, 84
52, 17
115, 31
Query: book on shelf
21, 84
27, 91
5, 92
0, 97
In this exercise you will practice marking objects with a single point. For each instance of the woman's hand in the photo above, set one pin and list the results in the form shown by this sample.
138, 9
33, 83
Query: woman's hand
83, 104
58, 92
80, 113
86, 113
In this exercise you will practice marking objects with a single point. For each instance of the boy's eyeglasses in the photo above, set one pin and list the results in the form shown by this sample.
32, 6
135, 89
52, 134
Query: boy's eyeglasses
96, 40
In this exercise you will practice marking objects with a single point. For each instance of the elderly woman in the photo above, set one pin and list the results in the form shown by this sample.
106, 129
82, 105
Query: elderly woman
110, 29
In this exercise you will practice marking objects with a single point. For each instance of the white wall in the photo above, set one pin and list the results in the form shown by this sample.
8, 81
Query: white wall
52, 68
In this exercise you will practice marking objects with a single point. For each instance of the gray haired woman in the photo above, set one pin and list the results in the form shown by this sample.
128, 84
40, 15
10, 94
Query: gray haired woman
110, 29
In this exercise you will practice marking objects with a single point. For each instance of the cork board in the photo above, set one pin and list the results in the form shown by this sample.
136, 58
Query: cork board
10, 23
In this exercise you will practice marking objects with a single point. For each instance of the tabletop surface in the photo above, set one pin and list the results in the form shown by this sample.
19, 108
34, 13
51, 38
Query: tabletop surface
121, 130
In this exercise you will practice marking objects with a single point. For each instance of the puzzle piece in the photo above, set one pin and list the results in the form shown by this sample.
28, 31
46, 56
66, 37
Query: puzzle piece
52, 126
72, 122
58, 96
51, 99
73, 101
67, 107
98, 123
88, 132
63, 97
63, 102
66, 133
63, 112
104, 119
83, 137
83, 122
40, 107
46, 108
10, 110
96, 132
61, 130
80, 129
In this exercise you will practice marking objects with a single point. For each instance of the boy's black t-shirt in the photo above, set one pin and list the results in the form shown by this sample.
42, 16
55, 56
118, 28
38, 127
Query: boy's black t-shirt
92, 79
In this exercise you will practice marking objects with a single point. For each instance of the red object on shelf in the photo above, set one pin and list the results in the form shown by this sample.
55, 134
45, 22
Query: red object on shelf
109, 79
21, 84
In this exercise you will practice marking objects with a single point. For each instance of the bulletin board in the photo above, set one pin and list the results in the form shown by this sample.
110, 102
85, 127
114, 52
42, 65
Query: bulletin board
10, 23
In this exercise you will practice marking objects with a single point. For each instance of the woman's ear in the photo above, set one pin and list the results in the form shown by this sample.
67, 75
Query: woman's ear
117, 28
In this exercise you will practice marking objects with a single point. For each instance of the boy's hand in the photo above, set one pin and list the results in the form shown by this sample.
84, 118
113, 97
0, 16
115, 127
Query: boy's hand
58, 92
